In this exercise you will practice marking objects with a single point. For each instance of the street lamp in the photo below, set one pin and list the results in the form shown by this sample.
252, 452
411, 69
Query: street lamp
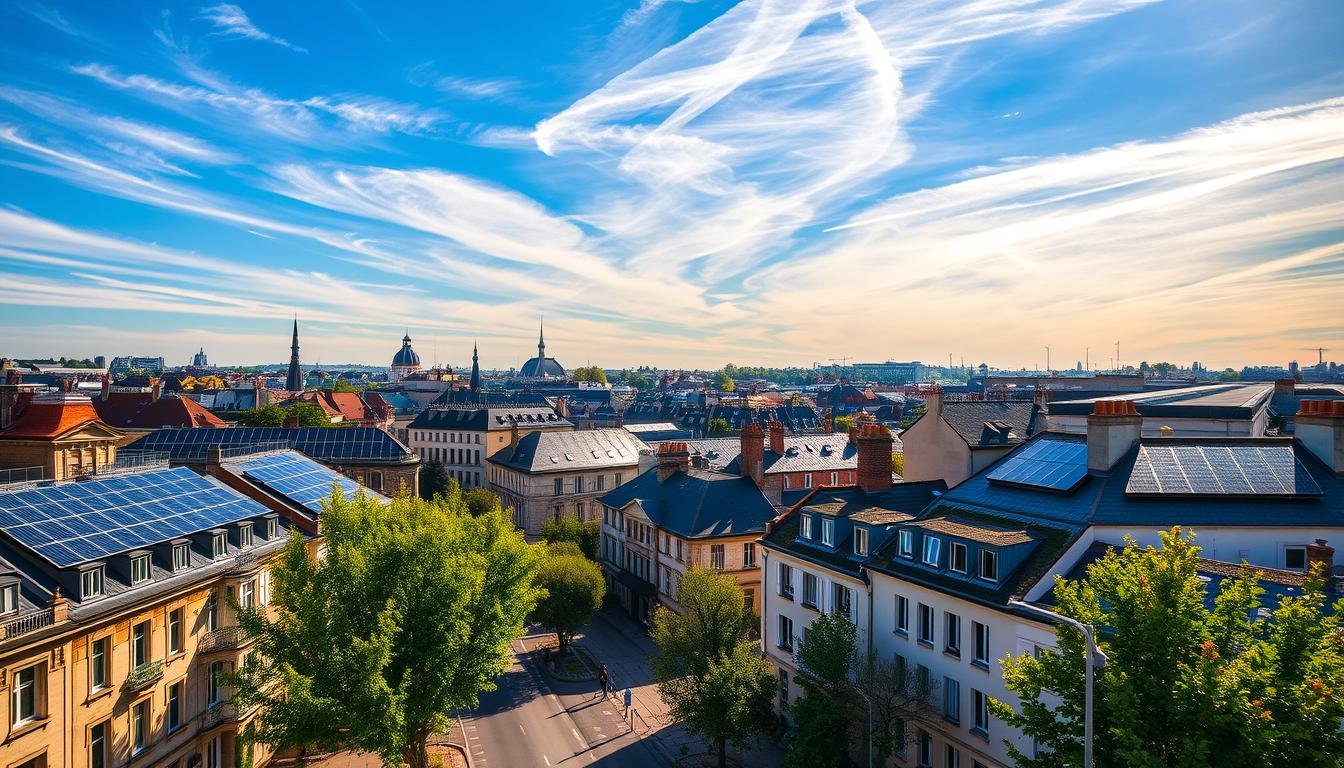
1095, 658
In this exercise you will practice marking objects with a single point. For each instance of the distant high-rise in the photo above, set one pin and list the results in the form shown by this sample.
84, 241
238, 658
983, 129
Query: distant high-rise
199, 359
294, 381
475, 369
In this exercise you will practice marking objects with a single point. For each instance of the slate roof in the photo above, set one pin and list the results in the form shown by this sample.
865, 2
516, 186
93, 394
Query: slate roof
697, 503
487, 419
978, 531
802, 453
548, 366
555, 451
1285, 405
141, 410
972, 420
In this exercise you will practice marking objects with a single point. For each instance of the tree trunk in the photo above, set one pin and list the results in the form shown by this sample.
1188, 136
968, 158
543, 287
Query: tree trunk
723, 752
416, 753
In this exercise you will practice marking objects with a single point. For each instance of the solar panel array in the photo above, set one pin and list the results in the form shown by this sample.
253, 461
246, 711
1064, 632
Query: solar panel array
1215, 470
323, 443
1050, 465
72, 523
296, 477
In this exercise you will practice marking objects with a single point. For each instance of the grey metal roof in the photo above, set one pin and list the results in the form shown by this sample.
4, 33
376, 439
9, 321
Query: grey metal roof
1214, 401
547, 367
802, 453
556, 451
487, 419
697, 503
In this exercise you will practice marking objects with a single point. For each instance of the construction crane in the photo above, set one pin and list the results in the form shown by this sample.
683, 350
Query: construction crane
1320, 354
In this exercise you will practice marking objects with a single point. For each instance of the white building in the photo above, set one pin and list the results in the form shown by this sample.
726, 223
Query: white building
461, 439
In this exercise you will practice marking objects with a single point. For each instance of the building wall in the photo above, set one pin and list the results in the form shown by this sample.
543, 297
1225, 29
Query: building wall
934, 451
1152, 425
534, 500
463, 452
61, 459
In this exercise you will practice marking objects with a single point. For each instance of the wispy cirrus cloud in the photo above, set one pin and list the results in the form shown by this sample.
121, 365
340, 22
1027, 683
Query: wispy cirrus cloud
232, 21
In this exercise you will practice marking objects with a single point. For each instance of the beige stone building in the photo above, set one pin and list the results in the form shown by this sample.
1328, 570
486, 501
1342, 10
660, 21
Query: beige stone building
462, 438
55, 436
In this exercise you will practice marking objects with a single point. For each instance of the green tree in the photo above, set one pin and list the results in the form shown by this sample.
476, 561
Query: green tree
898, 462
342, 385
590, 373
309, 415
825, 660
718, 426
408, 616
724, 383
265, 416
574, 591
434, 480
570, 528
709, 671
639, 381
1229, 375
1184, 685
842, 423
482, 500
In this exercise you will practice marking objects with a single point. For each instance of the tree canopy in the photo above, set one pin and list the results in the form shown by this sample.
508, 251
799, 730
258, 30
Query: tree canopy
1185, 685
708, 669
842, 423
309, 415
482, 500
724, 383
434, 480
718, 426
410, 614
585, 535
265, 416
590, 373
574, 592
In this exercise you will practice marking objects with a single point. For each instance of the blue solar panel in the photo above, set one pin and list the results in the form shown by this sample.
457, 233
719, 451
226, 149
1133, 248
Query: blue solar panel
296, 477
1050, 465
321, 443
137, 511
1220, 470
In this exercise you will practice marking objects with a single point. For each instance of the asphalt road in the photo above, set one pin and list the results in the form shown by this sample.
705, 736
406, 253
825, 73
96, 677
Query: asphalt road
534, 722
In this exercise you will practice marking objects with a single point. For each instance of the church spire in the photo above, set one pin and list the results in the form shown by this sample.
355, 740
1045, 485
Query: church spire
294, 381
475, 369
541, 343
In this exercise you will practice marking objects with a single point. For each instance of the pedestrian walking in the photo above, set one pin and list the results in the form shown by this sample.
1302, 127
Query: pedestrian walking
603, 679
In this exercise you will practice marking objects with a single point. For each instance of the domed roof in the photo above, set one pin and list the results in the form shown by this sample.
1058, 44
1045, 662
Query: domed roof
548, 368
406, 356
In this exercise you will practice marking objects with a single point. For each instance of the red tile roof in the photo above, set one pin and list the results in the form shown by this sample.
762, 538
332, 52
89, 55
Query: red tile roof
139, 410
51, 416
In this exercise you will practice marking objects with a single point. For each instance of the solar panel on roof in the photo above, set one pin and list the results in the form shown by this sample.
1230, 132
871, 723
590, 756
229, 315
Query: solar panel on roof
297, 478
1049, 465
1217, 470
133, 517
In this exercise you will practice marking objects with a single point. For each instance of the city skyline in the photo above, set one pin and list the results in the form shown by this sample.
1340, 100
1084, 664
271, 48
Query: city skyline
675, 183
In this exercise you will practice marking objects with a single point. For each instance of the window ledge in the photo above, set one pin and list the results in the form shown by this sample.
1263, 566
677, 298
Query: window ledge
901, 633
954, 653
925, 643
101, 693
811, 606
27, 728
953, 720
786, 597
980, 733
982, 665
788, 648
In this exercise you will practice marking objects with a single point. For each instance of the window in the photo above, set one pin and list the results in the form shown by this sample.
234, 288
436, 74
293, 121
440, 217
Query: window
807, 526
24, 701
907, 543
951, 757
676, 545
578, 485
246, 594
264, 588
980, 704
214, 753
749, 600
980, 656
216, 682
9, 598
174, 631
618, 478
219, 545
807, 480
376, 481
810, 591
98, 664
841, 600
924, 748
175, 706
902, 615
951, 699
828, 532
922, 685
139, 726
785, 578
212, 611
559, 486
601, 482
140, 645
272, 528
952, 634
91, 581
99, 735
785, 633
861, 542
835, 478
245, 535
989, 565
140, 569
748, 554
958, 557
925, 624
931, 546
716, 557
181, 557
1295, 558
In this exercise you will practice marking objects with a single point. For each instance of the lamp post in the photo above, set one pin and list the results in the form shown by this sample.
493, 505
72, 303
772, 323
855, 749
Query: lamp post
1095, 658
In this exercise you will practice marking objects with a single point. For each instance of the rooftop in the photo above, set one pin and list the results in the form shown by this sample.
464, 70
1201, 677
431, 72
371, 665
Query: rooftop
357, 445
490, 418
696, 503
556, 451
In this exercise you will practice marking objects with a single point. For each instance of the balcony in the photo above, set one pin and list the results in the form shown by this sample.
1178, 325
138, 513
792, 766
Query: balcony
143, 676
29, 622
223, 639
219, 713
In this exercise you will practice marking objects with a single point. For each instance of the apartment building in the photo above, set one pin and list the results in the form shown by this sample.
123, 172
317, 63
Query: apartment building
779, 463
673, 518
55, 436
461, 439
955, 439
547, 474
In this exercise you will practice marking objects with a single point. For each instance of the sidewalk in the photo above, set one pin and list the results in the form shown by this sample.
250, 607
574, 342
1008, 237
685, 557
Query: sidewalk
622, 644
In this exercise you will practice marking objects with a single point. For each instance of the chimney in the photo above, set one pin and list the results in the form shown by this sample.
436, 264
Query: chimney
874, 458
562, 407
107, 386
933, 402
513, 432
1318, 552
827, 421
155, 389
1113, 427
1319, 427
258, 386
777, 437
1285, 387
751, 461
1042, 397
673, 457
291, 421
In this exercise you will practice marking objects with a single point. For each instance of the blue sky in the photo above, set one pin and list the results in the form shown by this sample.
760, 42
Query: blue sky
674, 183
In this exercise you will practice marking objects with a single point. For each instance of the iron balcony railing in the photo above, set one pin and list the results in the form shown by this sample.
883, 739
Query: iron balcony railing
143, 676
29, 622
222, 639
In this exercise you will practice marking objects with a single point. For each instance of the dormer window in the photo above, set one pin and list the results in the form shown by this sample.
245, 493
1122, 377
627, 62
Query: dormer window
958, 557
219, 544
140, 570
989, 565
907, 543
244, 535
828, 532
861, 542
932, 545
807, 526
272, 528
181, 556
91, 583
9, 598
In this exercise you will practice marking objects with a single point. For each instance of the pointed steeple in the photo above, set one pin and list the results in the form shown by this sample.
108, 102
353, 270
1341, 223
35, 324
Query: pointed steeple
294, 381
475, 369
541, 341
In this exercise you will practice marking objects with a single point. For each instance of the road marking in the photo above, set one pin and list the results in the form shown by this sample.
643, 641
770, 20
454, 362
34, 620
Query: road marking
521, 728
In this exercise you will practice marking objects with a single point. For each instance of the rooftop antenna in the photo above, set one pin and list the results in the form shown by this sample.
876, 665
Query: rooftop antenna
1047, 358
1117, 356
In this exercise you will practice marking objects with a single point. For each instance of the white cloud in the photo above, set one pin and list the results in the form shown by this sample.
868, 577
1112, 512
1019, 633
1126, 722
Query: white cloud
232, 21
